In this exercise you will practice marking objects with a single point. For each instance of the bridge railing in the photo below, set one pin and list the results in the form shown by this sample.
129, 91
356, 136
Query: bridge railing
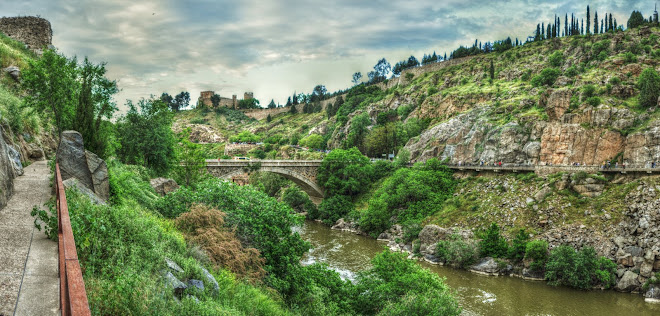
73, 297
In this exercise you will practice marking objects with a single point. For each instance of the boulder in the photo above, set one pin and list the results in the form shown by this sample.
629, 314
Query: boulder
429, 237
211, 280
628, 283
15, 160
172, 265
164, 186
646, 270
14, 72
7, 172
74, 183
175, 284
76, 162
653, 293
487, 266
532, 274
35, 152
198, 284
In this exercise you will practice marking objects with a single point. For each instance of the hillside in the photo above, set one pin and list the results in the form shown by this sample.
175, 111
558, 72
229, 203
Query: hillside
586, 112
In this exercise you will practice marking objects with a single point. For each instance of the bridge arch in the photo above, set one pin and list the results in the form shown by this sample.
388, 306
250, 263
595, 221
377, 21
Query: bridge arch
305, 183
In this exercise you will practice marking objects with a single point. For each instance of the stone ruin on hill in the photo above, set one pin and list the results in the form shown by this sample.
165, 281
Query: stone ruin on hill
35, 32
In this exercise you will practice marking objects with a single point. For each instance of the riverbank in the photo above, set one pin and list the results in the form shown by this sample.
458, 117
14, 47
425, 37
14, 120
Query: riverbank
348, 253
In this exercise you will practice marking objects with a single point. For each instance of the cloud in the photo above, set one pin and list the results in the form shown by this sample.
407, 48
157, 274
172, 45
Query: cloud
276, 47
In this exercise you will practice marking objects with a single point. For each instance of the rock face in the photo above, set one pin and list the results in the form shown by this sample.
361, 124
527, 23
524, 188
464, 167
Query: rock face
164, 186
15, 159
76, 162
35, 32
628, 282
7, 172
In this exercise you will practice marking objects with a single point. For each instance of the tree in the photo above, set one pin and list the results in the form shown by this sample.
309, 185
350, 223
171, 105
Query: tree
168, 99
492, 70
272, 104
94, 104
381, 71
288, 102
648, 84
269, 118
636, 19
293, 109
588, 21
181, 100
345, 172
318, 94
357, 77
146, 137
596, 22
215, 100
492, 243
249, 104
295, 98
52, 85
192, 165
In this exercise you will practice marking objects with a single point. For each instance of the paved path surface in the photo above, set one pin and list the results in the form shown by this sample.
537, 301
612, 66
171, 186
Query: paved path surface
29, 280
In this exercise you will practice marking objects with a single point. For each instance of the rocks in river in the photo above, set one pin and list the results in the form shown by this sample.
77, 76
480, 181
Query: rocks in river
652, 295
628, 283
395, 232
491, 266
344, 225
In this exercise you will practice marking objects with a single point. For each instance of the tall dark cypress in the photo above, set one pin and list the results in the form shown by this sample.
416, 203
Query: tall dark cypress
582, 27
588, 21
596, 22
542, 30
537, 37
566, 25
605, 23
611, 26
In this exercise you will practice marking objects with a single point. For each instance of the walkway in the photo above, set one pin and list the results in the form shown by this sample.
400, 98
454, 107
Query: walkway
29, 281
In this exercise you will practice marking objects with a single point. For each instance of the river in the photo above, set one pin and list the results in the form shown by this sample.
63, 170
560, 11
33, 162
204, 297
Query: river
348, 253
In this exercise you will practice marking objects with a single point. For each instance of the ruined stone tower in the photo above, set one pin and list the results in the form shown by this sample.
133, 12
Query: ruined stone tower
35, 32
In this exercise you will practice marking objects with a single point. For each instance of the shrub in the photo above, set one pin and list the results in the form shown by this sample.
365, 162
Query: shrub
615, 80
457, 252
394, 286
492, 243
205, 227
547, 77
594, 101
571, 72
556, 59
629, 58
332, 209
582, 269
648, 84
602, 56
518, 246
536, 251
297, 199
588, 91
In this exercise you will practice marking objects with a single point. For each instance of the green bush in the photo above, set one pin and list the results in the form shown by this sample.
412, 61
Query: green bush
615, 80
457, 252
629, 58
588, 91
594, 101
409, 195
556, 59
518, 246
582, 269
648, 84
571, 72
547, 77
395, 286
345, 172
332, 209
297, 199
492, 244
536, 251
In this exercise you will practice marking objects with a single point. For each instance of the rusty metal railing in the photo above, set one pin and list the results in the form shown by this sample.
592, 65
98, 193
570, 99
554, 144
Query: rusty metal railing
73, 297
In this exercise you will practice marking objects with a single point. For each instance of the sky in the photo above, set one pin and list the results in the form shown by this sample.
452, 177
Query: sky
273, 48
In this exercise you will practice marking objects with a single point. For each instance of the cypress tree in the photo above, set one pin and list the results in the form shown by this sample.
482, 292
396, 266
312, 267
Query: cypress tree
492, 70
611, 27
542, 30
605, 23
588, 21
596, 22
566, 25
537, 37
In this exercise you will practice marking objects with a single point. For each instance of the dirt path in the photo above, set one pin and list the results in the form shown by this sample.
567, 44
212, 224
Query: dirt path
29, 281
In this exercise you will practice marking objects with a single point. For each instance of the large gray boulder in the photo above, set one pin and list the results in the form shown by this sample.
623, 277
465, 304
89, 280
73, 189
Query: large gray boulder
7, 172
164, 186
15, 159
14, 72
628, 283
76, 162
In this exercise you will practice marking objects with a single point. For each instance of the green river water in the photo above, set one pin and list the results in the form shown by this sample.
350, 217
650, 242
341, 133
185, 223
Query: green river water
348, 253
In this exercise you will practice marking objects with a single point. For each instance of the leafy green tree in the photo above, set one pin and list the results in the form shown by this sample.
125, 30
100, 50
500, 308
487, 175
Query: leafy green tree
536, 251
492, 243
397, 286
314, 141
181, 100
359, 129
345, 172
268, 182
518, 246
556, 59
318, 93
249, 104
192, 164
146, 137
357, 77
297, 199
215, 100
332, 209
51, 83
582, 269
636, 19
94, 104
548, 76
648, 84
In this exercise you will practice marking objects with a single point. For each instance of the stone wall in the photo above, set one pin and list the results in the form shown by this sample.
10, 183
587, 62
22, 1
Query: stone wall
261, 114
35, 32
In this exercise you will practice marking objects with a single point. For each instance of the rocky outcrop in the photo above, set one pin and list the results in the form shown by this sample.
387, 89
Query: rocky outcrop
14, 72
74, 183
163, 186
76, 162
629, 282
35, 32
7, 172
491, 266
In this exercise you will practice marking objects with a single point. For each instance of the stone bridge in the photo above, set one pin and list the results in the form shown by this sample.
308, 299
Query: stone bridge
304, 172
301, 172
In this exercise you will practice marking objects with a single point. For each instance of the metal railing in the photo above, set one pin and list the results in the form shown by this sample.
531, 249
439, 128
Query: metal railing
73, 297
